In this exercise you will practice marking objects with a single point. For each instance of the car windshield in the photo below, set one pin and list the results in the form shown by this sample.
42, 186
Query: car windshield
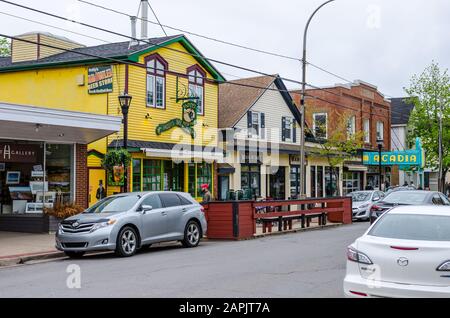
405, 197
114, 204
413, 227
360, 196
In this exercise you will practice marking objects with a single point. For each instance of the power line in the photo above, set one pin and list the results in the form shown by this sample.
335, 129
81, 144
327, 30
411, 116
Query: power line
127, 62
195, 34
154, 13
146, 41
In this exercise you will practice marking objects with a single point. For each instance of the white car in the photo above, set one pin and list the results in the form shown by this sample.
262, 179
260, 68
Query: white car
405, 253
362, 202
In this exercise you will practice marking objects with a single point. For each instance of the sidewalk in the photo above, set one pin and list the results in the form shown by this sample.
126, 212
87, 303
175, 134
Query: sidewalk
16, 247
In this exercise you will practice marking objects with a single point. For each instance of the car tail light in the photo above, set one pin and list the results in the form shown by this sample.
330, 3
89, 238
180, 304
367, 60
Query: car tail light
202, 209
405, 248
358, 257
444, 267
358, 293
375, 208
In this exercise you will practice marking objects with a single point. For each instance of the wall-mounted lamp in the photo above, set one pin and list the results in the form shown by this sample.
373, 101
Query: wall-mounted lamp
38, 126
147, 116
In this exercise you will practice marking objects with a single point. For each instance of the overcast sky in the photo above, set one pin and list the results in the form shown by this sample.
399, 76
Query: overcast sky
383, 42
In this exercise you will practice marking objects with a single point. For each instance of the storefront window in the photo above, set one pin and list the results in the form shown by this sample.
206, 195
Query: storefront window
204, 176
320, 181
331, 188
34, 176
351, 182
137, 175
278, 185
295, 181
250, 179
313, 181
152, 175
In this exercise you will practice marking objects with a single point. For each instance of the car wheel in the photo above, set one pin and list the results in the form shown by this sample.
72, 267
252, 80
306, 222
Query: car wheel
127, 242
73, 254
191, 234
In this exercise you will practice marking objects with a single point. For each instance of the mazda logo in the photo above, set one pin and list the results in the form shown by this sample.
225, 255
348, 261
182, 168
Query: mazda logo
75, 224
402, 261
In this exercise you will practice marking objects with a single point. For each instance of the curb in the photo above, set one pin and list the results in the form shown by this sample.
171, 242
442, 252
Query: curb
21, 259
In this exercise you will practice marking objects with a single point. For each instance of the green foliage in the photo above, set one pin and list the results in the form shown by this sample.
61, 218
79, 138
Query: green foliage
429, 91
116, 158
5, 47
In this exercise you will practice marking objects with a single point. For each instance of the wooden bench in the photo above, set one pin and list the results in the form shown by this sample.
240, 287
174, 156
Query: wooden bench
285, 222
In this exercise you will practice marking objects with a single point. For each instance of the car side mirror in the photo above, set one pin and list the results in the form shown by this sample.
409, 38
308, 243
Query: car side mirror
146, 208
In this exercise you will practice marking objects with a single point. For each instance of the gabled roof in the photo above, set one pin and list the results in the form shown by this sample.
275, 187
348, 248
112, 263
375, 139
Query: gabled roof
400, 110
236, 100
119, 50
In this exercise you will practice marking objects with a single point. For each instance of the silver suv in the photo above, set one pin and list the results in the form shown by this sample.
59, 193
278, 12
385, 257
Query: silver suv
129, 221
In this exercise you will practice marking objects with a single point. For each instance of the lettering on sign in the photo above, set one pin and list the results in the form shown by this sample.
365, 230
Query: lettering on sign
18, 153
100, 79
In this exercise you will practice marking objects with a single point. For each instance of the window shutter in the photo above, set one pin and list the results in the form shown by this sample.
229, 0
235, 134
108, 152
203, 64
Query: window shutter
249, 119
283, 128
263, 126
294, 131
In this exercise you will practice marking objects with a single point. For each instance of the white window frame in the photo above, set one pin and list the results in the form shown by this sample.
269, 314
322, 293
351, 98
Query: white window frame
351, 126
196, 89
366, 127
326, 123
255, 133
155, 75
380, 133
289, 121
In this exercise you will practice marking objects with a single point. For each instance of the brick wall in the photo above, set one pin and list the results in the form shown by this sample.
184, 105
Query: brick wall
82, 188
359, 100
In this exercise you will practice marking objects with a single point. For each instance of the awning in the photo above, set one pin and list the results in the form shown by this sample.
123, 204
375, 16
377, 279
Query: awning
54, 125
356, 167
225, 168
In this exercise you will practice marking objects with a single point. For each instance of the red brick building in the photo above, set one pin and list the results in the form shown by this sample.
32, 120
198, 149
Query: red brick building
364, 108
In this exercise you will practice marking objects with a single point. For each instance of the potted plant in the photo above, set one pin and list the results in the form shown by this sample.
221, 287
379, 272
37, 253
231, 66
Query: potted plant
114, 163
59, 212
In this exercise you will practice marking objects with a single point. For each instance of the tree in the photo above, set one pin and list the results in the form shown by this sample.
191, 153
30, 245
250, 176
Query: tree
430, 92
5, 47
341, 145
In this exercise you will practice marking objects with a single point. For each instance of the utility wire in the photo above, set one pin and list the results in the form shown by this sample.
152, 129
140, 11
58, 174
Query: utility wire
154, 13
148, 41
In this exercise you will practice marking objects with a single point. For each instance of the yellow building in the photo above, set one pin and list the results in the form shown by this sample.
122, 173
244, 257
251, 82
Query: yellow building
173, 148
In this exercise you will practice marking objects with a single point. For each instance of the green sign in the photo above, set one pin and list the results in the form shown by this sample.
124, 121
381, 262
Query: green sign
187, 121
100, 79
407, 158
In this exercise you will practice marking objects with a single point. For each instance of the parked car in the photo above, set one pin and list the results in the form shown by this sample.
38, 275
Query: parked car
401, 188
403, 254
407, 197
362, 201
126, 222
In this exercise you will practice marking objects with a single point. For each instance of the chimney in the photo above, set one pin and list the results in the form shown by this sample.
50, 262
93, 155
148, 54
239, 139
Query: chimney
133, 32
144, 19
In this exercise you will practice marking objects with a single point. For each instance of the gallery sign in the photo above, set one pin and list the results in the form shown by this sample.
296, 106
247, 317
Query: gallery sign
412, 157
18, 153
100, 79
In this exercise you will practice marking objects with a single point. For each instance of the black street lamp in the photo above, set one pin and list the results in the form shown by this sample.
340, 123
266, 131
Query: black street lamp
380, 146
125, 101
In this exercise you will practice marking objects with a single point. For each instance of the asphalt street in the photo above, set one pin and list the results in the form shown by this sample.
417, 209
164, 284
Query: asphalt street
303, 264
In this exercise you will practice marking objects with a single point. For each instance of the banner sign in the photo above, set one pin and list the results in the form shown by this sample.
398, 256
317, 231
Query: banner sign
412, 157
100, 79
18, 153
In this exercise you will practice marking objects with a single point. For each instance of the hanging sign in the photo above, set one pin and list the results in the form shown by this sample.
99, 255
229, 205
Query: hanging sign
412, 157
100, 79
187, 121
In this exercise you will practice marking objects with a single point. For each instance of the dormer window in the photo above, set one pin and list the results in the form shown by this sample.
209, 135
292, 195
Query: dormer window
156, 81
196, 77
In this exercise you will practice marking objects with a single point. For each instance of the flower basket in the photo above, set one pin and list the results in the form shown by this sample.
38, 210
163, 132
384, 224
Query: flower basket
115, 163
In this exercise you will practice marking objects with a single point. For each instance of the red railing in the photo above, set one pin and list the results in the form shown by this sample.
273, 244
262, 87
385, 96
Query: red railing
237, 219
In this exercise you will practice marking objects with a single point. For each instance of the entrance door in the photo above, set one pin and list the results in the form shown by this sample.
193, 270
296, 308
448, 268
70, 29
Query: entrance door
224, 187
278, 184
95, 175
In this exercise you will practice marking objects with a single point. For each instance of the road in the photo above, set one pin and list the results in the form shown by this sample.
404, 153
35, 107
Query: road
304, 264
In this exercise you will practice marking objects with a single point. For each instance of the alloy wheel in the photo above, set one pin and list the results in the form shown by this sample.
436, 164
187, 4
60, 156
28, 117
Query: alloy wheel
128, 241
193, 233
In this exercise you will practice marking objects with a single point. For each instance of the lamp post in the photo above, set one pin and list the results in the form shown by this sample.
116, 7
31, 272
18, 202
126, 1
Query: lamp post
125, 101
302, 107
380, 146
